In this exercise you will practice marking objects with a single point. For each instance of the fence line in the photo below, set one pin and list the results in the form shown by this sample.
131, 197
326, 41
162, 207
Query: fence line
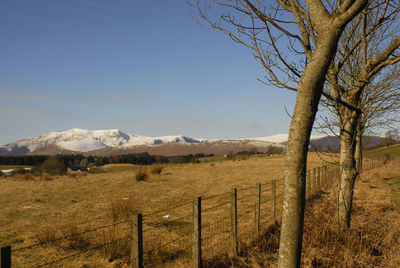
214, 227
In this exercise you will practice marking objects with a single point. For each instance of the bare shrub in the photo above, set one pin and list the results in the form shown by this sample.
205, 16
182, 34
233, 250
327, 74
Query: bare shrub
156, 169
244, 157
141, 174
122, 208
53, 166
47, 234
73, 239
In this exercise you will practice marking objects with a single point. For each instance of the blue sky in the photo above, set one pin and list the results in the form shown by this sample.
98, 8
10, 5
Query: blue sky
144, 67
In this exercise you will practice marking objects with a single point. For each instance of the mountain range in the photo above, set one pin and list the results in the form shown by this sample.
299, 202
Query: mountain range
114, 141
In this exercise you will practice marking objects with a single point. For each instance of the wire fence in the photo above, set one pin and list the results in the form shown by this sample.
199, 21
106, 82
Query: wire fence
185, 235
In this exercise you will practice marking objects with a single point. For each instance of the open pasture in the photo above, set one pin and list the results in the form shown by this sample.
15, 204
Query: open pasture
31, 207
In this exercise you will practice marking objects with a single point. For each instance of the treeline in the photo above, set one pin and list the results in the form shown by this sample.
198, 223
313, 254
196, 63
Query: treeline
78, 160
26, 160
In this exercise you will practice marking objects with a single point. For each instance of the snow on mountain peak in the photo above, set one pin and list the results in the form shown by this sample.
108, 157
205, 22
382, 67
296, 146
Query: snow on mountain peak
83, 140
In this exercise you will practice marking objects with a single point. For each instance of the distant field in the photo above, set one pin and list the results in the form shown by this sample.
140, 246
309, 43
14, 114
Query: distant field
33, 204
13, 166
393, 151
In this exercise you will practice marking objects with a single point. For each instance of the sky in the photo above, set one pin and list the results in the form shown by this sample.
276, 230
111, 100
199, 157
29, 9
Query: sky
144, 67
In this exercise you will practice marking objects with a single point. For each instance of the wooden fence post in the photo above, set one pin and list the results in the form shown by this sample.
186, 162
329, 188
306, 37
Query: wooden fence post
137, 241
319, 179
315, 180
325, 178
5, 257
197, 262
273, 190
257, 212
234, 222
322, 178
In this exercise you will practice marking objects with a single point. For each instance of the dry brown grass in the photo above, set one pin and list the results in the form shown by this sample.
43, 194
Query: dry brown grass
66, 236
141, 174
372, 240
117, 248
23, 177
47, 234
117, 165
123, 207
77, 175
156, 169
29, 205
73, 237
47, 177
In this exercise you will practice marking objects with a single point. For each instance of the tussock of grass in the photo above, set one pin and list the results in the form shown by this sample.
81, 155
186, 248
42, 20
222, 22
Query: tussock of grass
24, 177
122, 208
116, 248
77, 175
46, 177
73, 239
156, 169
141, 174
47, 234
67, 237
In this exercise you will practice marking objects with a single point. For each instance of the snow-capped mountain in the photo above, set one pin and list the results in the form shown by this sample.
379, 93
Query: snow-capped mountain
82, 140
114, 141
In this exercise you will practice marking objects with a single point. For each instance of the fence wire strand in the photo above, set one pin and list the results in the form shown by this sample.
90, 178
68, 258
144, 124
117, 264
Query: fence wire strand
70, 236
172, 237
80, 253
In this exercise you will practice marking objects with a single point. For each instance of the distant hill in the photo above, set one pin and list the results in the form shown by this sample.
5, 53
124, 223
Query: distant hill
333, 142
113, 141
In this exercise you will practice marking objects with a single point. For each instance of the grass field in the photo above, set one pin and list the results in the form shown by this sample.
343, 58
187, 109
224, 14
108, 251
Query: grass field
36, 209
13, 166
33, 206
393, 151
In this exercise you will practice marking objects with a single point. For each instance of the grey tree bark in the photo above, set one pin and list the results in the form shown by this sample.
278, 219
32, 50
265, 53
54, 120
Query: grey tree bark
363, 55
358, 154
349, 172
301, 68
308, 96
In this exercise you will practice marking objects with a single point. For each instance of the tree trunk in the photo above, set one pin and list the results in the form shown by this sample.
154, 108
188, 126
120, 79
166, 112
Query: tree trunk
348, 170
358, 152
308, 96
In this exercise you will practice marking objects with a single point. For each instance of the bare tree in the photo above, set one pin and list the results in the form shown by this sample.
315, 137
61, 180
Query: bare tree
295, 42
380, 103
368, 45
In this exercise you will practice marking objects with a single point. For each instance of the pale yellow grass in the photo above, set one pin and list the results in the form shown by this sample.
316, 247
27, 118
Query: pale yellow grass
118, 165
27, 206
